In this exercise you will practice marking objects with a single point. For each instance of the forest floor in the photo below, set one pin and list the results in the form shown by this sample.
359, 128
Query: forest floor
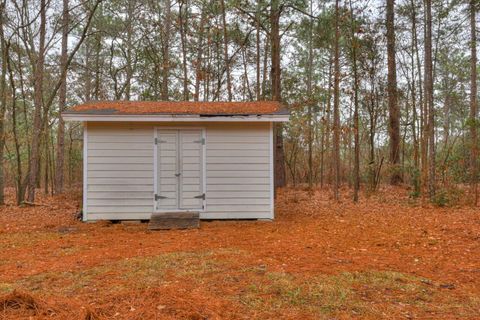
387, 257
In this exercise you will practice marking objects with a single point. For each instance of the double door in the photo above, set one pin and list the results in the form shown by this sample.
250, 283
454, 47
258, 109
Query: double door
179, 154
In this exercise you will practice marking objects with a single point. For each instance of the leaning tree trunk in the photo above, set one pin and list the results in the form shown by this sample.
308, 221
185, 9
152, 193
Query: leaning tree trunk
62, 98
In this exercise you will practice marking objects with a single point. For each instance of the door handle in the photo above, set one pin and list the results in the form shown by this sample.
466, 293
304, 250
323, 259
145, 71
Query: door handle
177, 174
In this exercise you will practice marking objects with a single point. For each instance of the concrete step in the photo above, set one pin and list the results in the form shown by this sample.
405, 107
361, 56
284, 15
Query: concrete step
174, 220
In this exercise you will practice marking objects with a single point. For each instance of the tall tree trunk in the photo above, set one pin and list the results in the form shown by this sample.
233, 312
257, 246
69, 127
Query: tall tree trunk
246, 87
129, 49
18, 158
414, 94
62, 98
446, 111
275, 12
38, 104
265, 69
372, 129
166, 50
183, 39
98, 50
199, 64
3, 97
275, 48
46, 156
87, 74
208, 77
326, 124
429, 97
356, 126
258, 56
38, 124
473, 99
336, 108
225, 50
423, 129
393, 108
310, 100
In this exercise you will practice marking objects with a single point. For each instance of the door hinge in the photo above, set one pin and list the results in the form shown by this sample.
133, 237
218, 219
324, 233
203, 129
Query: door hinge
202, 196
202, 141
158, 197
156, 140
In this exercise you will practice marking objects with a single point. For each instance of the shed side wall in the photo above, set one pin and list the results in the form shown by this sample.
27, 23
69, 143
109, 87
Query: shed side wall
120, 170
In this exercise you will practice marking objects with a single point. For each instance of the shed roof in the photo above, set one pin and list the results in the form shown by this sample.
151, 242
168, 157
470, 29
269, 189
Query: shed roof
178, 108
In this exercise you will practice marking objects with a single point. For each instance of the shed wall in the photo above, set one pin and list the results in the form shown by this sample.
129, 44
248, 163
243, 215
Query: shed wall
120, 170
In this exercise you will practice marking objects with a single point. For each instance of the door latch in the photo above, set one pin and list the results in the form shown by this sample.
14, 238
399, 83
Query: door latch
202, 196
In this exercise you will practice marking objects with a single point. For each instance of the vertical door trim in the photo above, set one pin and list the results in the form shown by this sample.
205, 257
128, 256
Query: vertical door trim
155, 169
178, 165
204, 168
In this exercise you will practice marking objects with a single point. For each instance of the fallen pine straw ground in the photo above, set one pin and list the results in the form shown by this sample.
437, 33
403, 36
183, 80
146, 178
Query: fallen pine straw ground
386, 257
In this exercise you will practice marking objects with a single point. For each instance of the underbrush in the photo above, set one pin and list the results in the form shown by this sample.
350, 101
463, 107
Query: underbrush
448, 196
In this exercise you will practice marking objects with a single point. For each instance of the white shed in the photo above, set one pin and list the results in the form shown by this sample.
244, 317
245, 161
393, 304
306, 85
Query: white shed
140, 158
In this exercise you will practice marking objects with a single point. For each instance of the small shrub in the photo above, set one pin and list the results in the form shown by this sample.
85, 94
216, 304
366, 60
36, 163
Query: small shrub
415, 181
447, 197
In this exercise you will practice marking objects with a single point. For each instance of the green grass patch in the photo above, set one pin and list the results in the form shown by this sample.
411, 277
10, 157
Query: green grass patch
5, 288
357, 294
134, 273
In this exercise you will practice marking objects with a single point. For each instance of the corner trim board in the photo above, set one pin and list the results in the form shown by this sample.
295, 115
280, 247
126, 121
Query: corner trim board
272, 187
85, 172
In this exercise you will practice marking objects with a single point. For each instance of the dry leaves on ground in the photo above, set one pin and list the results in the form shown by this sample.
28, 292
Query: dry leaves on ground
386, 257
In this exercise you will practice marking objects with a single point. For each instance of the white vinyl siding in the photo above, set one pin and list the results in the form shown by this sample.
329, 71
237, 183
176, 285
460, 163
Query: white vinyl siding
120, 172
238, 175
238, 170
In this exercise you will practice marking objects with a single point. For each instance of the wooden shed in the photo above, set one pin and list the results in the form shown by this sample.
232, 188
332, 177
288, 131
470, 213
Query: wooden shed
214, 158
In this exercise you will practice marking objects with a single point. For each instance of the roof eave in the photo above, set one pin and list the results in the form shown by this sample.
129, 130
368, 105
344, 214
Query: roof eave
82, 117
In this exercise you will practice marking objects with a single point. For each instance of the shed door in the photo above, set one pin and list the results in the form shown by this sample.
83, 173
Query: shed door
180, 174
